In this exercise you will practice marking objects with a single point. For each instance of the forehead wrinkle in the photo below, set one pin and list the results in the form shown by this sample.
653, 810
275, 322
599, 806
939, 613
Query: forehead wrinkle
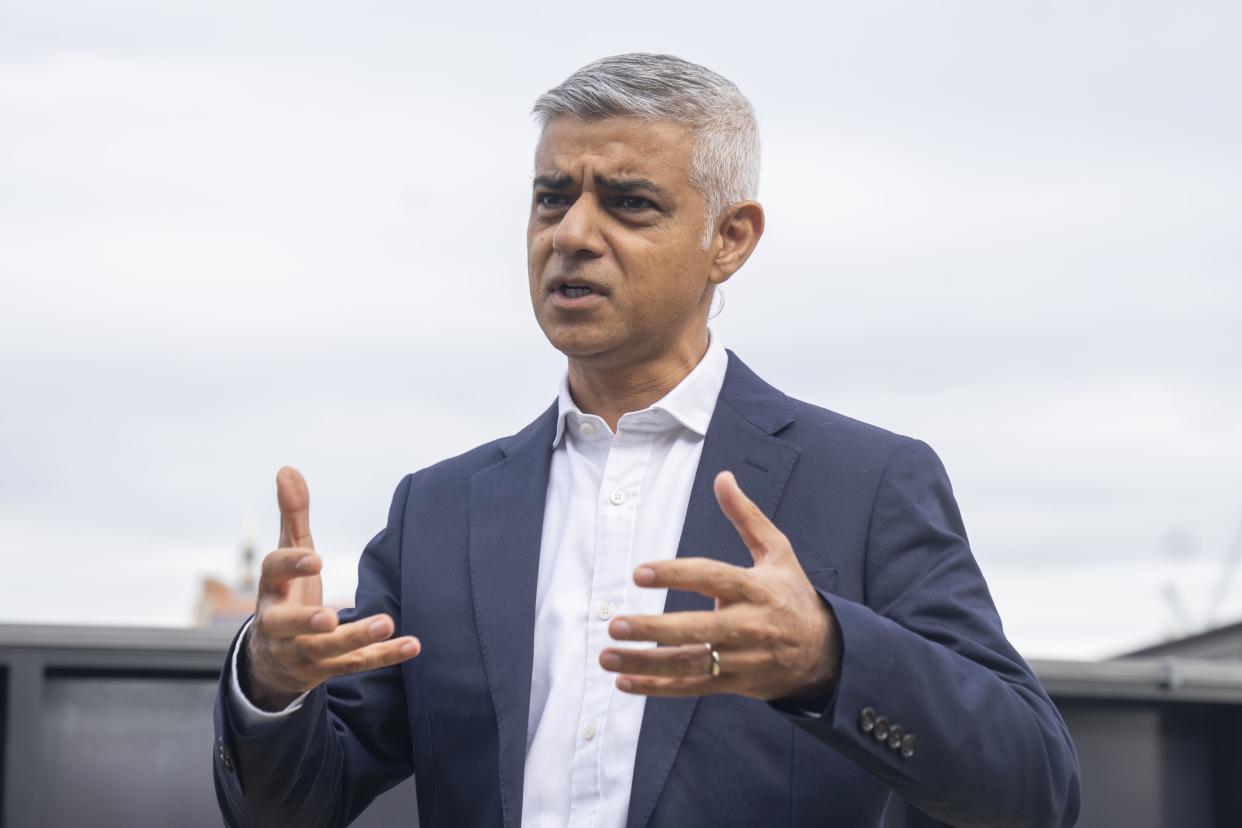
614, 164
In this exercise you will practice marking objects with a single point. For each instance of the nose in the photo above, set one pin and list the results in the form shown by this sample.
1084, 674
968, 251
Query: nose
578, 234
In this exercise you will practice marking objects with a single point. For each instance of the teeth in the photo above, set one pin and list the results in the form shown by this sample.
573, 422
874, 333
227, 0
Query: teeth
575, 291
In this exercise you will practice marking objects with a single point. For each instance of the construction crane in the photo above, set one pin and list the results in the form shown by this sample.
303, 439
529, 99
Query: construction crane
1233, 557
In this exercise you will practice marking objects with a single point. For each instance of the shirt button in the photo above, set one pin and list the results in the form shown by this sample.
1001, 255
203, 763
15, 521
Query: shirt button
605, 611
586, 429
588, 732
617, 497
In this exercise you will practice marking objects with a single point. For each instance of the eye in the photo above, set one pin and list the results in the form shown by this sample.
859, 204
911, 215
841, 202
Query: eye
634, 203
551, 200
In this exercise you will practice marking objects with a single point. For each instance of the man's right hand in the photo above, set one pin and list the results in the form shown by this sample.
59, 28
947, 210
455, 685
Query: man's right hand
296, 643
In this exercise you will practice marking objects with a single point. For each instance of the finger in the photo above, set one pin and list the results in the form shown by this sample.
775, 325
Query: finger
676, 628
289, 620
692, 660
705, 576
346, 638
672, 687
293, 497
283, 565
759, 534
375, 656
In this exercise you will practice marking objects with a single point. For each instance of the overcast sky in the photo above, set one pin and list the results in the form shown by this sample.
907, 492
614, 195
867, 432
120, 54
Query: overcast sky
239, 235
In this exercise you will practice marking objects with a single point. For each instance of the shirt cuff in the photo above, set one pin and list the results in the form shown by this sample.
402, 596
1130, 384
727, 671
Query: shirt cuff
249, 716
807, 708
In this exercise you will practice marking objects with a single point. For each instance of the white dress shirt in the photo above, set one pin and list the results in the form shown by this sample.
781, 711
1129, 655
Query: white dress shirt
614, 501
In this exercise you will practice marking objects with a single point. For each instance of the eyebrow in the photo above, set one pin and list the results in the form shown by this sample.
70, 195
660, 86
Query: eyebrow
555, 181
630, 185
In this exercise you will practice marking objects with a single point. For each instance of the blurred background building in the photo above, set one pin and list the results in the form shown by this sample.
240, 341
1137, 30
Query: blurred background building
225, 605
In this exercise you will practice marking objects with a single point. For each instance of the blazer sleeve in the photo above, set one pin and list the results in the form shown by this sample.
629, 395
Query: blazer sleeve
932, 699
347, 743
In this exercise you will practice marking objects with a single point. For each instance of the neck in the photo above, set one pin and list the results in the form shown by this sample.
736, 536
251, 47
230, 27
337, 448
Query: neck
612, 390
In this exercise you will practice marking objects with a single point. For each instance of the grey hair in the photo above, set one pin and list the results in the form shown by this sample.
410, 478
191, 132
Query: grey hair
724, 166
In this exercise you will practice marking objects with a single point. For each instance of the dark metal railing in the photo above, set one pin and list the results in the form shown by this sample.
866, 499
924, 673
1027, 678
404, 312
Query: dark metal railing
110, 726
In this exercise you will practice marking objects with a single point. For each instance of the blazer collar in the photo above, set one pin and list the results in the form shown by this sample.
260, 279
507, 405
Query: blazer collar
763, 406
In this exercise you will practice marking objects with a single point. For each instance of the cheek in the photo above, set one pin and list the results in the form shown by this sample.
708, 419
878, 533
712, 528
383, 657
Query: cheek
538, 245
671, 278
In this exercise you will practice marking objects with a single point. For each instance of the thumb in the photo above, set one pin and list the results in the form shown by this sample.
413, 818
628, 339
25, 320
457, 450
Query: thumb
294, 500
759, 534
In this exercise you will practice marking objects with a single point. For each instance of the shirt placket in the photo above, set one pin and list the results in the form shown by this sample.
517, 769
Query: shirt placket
616, 510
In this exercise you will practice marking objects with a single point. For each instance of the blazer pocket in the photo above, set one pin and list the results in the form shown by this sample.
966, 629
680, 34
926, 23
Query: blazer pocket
824, 578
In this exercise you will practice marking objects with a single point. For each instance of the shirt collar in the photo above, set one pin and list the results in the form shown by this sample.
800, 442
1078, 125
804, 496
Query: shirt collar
691, 402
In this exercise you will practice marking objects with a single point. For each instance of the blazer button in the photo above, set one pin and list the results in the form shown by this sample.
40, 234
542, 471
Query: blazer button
894, 736
866, 719
225, 759
881, 728
907, 746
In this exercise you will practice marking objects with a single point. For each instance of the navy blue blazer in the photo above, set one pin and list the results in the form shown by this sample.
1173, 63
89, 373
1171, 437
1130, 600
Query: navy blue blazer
873, 521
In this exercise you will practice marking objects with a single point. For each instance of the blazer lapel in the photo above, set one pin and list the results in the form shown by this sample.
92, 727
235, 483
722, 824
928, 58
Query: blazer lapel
739, 439
506, 527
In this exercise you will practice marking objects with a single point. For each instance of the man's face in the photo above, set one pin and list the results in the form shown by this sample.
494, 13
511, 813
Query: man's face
617, 272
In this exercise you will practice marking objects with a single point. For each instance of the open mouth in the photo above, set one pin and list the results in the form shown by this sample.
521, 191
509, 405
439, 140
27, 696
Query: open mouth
574, 291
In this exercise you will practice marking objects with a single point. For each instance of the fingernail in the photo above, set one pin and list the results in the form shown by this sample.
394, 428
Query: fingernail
625, 684
610, 661
321, 620
644, 575
303, 564
409, 649
620, 628
379, 629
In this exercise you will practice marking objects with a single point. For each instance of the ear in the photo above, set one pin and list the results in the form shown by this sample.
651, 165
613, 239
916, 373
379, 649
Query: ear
737, 234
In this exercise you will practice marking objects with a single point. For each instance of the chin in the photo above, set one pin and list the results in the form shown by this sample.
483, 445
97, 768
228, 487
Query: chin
578, 347
579, 341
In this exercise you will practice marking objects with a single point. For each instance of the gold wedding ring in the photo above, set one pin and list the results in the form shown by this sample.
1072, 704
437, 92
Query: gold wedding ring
713, 668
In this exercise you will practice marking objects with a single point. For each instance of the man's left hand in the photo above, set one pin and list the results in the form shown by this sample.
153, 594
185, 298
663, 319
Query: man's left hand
774, 635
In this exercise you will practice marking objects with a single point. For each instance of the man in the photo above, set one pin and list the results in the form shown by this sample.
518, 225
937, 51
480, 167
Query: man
824, 635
